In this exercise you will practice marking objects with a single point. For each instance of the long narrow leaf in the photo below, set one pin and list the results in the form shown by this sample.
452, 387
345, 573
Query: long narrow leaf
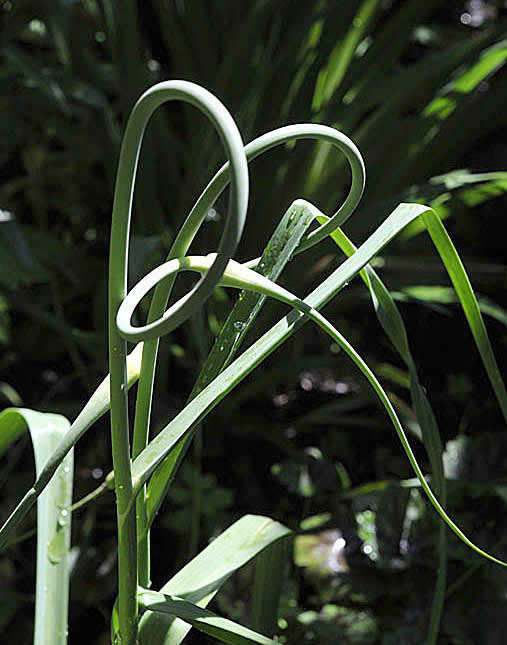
468, 301
241, 277
390, 319
205, 621
203, 576
53, 521
332, 75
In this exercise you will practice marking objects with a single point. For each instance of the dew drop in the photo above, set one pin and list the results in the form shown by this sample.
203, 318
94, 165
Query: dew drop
62, 519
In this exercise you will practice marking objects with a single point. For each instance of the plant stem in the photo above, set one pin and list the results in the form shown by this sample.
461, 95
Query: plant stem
93, 495
139, 443
190, 228
125, 508
118, 265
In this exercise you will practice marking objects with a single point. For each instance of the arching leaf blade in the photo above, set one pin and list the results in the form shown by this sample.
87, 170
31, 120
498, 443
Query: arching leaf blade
469, 304
212, 567
145, 464
223, 629
391, 321
53, 520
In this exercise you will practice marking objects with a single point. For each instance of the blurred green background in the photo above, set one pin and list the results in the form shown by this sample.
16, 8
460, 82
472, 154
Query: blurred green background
421, 88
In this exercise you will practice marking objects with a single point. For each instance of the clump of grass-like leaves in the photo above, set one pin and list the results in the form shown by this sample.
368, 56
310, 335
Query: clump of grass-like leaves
144, 471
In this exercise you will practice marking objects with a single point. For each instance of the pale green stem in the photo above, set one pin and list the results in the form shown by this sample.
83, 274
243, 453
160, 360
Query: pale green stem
180, 247
118, 264
160, 297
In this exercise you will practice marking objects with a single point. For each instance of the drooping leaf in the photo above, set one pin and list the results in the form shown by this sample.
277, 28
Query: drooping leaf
53, 519
202, 577
205, 621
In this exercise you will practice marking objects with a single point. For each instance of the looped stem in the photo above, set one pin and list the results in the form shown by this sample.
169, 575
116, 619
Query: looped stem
182, 244
240, 277
118, 264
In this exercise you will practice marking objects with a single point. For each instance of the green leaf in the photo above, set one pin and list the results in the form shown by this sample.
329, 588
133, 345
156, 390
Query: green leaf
446, 296
205, 621
393, 325
390, 319
53, 519
203, 576
332, 74
270, 574
493, 58
239, 276
446, 193
468, 301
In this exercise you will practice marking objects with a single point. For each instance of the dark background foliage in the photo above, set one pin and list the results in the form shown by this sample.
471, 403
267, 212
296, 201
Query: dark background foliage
421, 88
